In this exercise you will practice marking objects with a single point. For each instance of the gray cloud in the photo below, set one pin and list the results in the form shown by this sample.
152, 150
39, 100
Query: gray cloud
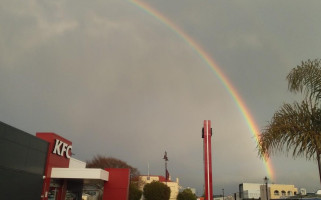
116, 81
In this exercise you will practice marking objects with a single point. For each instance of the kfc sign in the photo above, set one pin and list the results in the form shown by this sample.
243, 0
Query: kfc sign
62, 149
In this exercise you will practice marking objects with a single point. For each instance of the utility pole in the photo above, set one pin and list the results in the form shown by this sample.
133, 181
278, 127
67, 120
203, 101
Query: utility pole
266, 180
166, 172
223, 193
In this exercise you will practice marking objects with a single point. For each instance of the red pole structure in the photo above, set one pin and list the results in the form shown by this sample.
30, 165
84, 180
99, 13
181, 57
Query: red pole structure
206, 135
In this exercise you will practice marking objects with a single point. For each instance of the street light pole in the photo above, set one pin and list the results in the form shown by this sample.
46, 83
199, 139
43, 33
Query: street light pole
166, 172
266, 180
223, 193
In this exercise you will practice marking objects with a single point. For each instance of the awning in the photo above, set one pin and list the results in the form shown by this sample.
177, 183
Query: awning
79, 173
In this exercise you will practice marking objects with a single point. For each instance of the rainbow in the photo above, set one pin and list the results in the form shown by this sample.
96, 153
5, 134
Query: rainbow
215, 68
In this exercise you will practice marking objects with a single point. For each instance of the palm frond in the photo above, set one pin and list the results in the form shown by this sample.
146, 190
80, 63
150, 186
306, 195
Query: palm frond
293, 128
306, 78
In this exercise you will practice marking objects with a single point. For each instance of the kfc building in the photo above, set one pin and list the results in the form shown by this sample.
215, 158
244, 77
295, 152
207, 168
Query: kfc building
42, 168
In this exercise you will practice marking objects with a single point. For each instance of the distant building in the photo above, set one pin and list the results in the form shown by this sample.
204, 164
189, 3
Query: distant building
278, 191
174, 186
249, 191
218, 197
236, 196
303, 191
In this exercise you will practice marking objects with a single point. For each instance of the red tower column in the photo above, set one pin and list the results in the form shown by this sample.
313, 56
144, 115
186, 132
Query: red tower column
117, 186
206, 135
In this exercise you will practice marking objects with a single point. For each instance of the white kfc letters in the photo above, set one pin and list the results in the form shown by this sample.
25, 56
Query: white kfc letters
62, 148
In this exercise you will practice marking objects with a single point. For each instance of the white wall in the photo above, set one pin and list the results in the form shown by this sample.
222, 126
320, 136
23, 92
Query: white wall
74, 163
251, 190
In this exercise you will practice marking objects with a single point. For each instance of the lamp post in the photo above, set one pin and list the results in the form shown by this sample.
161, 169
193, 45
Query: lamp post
166, 172
266, 180
223, 193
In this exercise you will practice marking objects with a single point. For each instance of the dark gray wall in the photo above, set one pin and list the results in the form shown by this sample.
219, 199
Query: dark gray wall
22, 164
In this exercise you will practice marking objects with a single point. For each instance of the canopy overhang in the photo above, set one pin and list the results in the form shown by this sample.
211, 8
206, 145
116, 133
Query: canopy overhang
80, 173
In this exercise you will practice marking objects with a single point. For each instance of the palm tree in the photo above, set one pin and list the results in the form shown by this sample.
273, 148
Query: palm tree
297, 127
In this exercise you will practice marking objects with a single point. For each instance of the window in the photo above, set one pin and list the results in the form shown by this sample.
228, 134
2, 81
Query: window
289, 193
283, 193
276, 192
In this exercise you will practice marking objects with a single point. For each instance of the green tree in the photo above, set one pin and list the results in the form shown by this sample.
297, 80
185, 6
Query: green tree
187, 194
156, 191
134, 192
297, 127
109, 162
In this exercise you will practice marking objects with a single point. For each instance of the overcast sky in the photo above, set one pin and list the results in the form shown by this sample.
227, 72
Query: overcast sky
118, 82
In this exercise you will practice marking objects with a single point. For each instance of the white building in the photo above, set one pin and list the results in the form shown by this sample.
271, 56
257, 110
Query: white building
303, 191
249, 191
